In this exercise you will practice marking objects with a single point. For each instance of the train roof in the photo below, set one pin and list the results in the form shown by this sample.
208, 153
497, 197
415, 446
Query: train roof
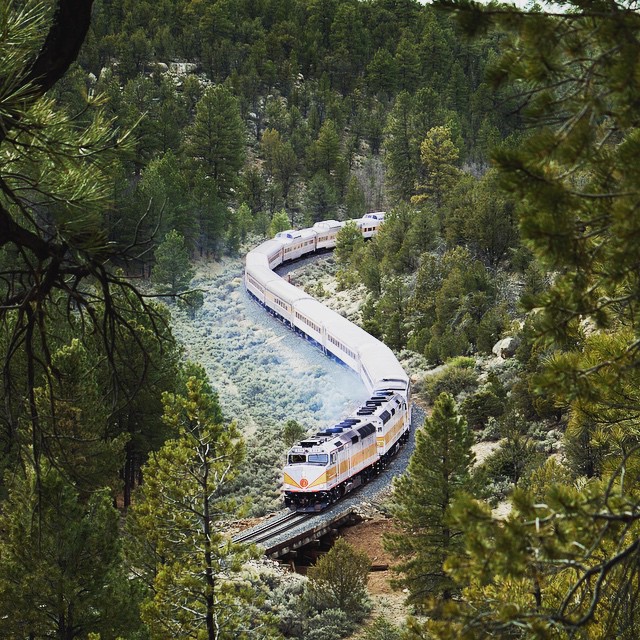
330, 439
256, 259
353, 336
287, 237
326, 225
267, 248
382, 366
263, 274
368, 221
286, 291
311, 307
340, 327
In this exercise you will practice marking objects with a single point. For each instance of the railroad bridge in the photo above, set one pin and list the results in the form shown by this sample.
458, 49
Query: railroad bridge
285, 533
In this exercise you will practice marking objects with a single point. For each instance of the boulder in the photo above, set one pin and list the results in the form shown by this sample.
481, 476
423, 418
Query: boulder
506, 347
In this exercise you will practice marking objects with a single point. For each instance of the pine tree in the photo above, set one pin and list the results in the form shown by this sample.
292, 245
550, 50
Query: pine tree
381, 74
391, 314
438, 470
349, 244
279, 222
407, 61
354, 200
327, 148
53, 244
320, 199
292, 432
172, 271
162, 189
75, 420
439, 156
61, 569
339, 580
402, 156
193, 570
216, 141
565, 564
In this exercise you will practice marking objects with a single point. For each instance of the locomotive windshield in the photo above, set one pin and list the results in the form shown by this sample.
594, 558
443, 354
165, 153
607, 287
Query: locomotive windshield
297, 458
318, 458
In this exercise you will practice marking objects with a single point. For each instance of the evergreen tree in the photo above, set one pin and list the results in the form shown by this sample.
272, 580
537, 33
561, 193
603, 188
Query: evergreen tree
564, 564
216, 141
355, 200
162, 189
349, 244
75, 420
195, 582
439, 156
279, 222
172, 272
381, 74
391, 312
251, 189
326, 150
438, 470
292, 432
408, 65
61, 570
339, 579
401, 157
320, 199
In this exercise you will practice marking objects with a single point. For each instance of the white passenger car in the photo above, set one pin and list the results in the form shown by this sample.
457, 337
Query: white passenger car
327, 232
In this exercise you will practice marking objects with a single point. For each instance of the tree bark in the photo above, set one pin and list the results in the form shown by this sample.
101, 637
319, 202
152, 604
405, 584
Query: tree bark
69, 26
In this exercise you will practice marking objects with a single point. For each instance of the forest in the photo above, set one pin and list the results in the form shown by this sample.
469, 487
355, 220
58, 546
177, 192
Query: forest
140, 140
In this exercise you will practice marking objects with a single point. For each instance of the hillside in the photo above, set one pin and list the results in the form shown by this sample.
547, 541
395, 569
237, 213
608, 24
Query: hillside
146, 144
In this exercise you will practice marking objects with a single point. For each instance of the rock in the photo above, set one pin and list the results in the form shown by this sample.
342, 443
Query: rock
182, 68
506, 347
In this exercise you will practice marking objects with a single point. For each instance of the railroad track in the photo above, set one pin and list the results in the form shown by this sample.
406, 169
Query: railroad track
272, 528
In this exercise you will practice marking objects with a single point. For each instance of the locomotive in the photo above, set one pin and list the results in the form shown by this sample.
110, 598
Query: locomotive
322, 468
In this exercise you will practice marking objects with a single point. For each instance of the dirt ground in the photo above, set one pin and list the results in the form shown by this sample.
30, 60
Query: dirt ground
367, 536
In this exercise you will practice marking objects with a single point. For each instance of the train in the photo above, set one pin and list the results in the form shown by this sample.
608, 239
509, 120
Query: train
322, 468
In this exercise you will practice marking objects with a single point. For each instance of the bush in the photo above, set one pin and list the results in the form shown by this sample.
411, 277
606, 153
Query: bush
516, 457
331, 624
451, 343
382, 629
338, 581
453, 380
464, 362
478, 408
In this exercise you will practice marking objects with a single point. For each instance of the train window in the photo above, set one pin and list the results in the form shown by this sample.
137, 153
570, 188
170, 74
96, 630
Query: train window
334, 457
297, 458
318, 458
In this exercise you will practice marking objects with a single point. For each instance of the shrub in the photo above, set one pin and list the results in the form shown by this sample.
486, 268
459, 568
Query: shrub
382, 629
464, 362
453, 380
338, 580
330, 624
479, 407
516, 457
